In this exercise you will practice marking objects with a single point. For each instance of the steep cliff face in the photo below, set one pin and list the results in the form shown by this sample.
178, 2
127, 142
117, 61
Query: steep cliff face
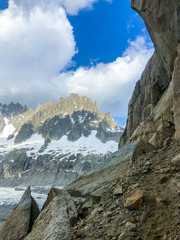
176, 89
153, 112
162, 19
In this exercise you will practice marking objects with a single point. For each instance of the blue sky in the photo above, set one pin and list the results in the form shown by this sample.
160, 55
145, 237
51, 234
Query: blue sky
48, 49
101, 34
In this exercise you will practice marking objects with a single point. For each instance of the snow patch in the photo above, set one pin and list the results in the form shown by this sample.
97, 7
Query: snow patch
8, 129
33, 144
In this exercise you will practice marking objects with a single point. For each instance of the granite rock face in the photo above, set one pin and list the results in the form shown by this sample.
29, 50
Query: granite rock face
25, 133
20, 221
56, 192
151, 115
162, 19
176, 90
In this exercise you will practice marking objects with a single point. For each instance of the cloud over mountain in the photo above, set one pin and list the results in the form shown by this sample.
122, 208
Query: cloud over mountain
110, 84
37, 42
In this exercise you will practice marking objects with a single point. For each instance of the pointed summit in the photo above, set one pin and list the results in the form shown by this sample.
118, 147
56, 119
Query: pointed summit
76, 103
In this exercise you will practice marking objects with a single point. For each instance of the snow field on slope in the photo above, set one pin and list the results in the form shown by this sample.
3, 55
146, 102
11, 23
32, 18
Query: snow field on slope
84, 145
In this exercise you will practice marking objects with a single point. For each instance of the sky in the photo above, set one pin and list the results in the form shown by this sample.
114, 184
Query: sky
49, 49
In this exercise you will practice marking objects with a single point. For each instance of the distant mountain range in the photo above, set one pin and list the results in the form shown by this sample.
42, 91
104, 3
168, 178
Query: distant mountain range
55, 143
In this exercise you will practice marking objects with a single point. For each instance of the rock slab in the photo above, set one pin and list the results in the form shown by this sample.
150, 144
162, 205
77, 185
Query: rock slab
55, 221
20, 221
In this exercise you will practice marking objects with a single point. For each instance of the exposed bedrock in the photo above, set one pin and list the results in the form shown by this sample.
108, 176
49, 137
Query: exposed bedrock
162, 19
176, 89
153, 113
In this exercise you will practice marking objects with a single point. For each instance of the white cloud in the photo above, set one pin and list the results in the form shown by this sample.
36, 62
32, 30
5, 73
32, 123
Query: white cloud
72, 7
35, 42
110, 84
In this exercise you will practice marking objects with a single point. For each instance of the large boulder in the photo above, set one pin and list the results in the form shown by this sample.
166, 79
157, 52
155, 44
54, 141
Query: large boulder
20, 221
56, 219
56, 192
135, 201
176, 160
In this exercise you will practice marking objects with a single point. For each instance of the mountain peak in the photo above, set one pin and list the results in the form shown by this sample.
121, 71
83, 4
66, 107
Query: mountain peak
76, 103
12, 109
65, 107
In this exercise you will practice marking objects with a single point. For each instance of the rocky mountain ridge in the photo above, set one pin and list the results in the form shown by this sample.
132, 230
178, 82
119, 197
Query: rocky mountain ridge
12, 109
56, 142
19, 115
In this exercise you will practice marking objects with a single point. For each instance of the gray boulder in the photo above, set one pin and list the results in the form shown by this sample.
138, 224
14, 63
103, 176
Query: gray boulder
20, 221
56, 192
55, 221
176, 160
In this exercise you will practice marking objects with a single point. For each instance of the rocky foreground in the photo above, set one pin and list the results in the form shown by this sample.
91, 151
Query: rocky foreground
135, 198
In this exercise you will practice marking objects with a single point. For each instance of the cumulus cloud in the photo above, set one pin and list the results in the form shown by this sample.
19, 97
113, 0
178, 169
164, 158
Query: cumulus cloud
72, 7
110, 84
36, 42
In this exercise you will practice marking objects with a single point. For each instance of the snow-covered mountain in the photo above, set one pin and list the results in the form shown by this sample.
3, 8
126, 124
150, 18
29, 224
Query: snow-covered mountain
56, 143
